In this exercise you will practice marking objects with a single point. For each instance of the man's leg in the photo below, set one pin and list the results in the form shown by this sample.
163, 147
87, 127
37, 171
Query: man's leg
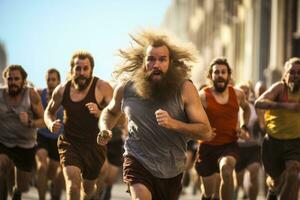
291, 186
210, 186
253, 187
5, 165
140, 191
23, 179
89, 188
274, 186
56, 176
227, 165
42, 168
72, 175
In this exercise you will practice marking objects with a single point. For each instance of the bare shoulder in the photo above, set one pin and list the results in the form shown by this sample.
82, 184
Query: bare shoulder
277, 87
34, 95
102, 84
188, 91
58, 92
239, 93
202, 95
119, 89
188, 86
39, 91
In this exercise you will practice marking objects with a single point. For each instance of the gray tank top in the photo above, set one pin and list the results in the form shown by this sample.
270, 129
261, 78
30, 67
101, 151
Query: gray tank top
12, 132
161, 151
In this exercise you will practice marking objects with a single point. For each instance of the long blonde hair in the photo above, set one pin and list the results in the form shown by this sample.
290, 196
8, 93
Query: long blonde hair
182, 55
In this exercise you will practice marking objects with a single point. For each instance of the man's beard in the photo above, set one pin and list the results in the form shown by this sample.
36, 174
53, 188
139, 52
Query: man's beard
218, 88
14, 90
161, 90
81, 82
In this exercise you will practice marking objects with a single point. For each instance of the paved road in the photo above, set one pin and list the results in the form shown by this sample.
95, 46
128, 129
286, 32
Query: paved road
119, 193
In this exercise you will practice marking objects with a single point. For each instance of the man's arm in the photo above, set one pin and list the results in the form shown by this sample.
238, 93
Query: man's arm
243, 103
104, 94
38, 110
268, 100
110, 116
54, 104
198, 126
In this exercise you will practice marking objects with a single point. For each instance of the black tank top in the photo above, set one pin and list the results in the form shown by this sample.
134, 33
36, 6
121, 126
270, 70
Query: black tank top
79, 124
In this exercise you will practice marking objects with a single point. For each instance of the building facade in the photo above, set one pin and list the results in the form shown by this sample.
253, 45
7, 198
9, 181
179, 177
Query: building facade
256, 36
3, 60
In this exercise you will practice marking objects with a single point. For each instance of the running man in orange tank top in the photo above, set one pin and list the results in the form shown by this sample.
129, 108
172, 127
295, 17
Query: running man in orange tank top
217, 158
280, 148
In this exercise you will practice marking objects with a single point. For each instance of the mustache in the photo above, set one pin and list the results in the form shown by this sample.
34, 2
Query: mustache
152, 72
221, 80
13, 86
80, 78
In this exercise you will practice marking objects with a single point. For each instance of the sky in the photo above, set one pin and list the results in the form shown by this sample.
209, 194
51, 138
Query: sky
40, 34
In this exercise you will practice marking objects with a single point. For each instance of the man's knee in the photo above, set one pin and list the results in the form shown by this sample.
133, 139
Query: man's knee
226, 172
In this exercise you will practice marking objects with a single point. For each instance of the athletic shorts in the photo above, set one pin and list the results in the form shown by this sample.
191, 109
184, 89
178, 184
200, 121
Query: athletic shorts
24, 159
248, 155
49, 144
160, 188
89, 157
276, 152
207, 160
115, 152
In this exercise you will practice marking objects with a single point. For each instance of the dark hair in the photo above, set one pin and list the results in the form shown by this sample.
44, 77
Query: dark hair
53, 70
82, 55
218, 61
12, 68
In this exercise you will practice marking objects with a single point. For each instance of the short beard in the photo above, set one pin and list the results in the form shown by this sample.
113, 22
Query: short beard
14, 93
161, 90
81, 87
220, 89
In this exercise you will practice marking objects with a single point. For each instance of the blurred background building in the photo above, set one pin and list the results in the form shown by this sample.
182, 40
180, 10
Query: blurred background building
3, 61
256, 36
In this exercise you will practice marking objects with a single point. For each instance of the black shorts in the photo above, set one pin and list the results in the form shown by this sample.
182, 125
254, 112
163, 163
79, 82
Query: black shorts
160, 188
24, 159
276, 152
50, 145
248, 155
115, 152
208, 157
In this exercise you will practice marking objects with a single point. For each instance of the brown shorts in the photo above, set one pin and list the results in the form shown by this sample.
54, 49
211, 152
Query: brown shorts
275, 152
89, 157
161, 189
207, 160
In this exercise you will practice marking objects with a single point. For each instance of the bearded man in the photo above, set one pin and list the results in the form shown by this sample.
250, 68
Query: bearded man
21, 112
163, 110
82, 97
280, 148
217, 158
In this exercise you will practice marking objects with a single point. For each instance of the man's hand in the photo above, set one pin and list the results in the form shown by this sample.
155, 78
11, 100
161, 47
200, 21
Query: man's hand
243, 133
104, 136
93, 108
55, 126
163, 119
24, 118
